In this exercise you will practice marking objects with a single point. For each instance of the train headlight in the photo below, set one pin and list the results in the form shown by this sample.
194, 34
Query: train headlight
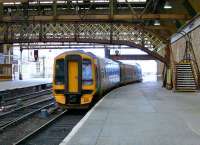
86, 99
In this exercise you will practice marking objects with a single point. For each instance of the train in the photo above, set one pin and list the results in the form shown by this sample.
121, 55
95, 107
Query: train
81, 78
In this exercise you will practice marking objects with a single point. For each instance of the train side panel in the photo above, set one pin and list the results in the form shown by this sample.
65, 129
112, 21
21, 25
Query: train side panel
130, 73
109, 75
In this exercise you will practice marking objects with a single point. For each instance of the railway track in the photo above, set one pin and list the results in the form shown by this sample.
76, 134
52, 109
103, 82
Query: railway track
13, 100
13, 117
16, 124
25, 124
54, 131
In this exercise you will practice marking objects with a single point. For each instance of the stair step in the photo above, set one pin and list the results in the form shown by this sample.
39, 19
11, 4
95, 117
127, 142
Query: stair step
182, 74
186, 86
185, 77
186, 89
186, 72
186, 81
181, 66
193, 85
188, 66
183, 70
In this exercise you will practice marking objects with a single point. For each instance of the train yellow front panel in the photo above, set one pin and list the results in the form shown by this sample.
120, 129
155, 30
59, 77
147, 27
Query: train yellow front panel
73, 76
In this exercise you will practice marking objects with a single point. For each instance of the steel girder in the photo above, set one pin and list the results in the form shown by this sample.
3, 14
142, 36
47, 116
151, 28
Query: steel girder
94, 32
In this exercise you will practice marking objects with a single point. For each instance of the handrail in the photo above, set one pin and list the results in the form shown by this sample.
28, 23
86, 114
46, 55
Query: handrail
195, 65
195, 71
192, 59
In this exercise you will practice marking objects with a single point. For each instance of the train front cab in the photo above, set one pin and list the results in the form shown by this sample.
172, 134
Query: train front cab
78, 85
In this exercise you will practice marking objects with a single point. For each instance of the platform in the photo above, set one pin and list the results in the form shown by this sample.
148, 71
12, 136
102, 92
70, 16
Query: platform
140, 114
17, 84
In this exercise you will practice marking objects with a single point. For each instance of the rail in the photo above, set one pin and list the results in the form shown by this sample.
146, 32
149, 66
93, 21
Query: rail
23, 113
194, 64
30, 96
26, 138
195, 71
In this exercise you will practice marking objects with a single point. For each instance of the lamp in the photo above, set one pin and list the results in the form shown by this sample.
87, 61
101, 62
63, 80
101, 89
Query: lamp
167, 5
156, 23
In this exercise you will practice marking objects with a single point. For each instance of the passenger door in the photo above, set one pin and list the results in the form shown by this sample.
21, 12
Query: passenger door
74, 74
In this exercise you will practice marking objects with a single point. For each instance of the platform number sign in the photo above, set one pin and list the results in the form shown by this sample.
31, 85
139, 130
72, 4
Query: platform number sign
2, 58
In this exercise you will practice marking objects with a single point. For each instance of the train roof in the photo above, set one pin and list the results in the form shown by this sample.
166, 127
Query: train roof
95, 57
77, 51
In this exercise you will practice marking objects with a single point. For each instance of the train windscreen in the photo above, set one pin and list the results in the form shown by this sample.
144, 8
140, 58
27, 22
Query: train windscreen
59, 72
87, 72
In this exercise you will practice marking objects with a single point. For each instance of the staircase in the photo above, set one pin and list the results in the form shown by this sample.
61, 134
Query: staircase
185, 80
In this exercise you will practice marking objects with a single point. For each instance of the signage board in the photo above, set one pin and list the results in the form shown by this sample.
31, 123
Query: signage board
2, 58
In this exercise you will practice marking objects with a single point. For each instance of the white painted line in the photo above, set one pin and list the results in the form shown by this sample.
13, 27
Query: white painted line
195, 130
79, 125
83, 120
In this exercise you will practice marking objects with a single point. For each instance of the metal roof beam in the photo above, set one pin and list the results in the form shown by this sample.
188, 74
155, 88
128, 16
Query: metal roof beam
132, 57
96, 17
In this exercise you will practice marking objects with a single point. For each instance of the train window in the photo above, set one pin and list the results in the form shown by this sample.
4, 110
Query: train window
87, 72
59, 72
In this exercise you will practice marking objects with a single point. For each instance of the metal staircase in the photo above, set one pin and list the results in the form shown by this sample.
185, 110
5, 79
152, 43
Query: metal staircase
186, 74
185, 79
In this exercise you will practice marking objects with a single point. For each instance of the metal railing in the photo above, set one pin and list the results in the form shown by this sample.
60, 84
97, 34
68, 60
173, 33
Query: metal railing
195, 71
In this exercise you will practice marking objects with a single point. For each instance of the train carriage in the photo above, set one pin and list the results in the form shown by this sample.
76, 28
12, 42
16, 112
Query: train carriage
80, 78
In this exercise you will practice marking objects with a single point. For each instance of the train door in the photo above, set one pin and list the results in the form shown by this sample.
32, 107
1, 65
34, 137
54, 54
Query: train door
73, 80
73, 76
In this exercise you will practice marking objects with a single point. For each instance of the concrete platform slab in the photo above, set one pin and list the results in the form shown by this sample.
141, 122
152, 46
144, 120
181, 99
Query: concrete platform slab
140, 114
16, 84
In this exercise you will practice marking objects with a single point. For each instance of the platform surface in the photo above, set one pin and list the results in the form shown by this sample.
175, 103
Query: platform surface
15, 84
140, 114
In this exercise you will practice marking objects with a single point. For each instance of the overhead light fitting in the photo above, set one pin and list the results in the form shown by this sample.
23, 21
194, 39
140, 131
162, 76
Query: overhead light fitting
167, 5
156, 23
